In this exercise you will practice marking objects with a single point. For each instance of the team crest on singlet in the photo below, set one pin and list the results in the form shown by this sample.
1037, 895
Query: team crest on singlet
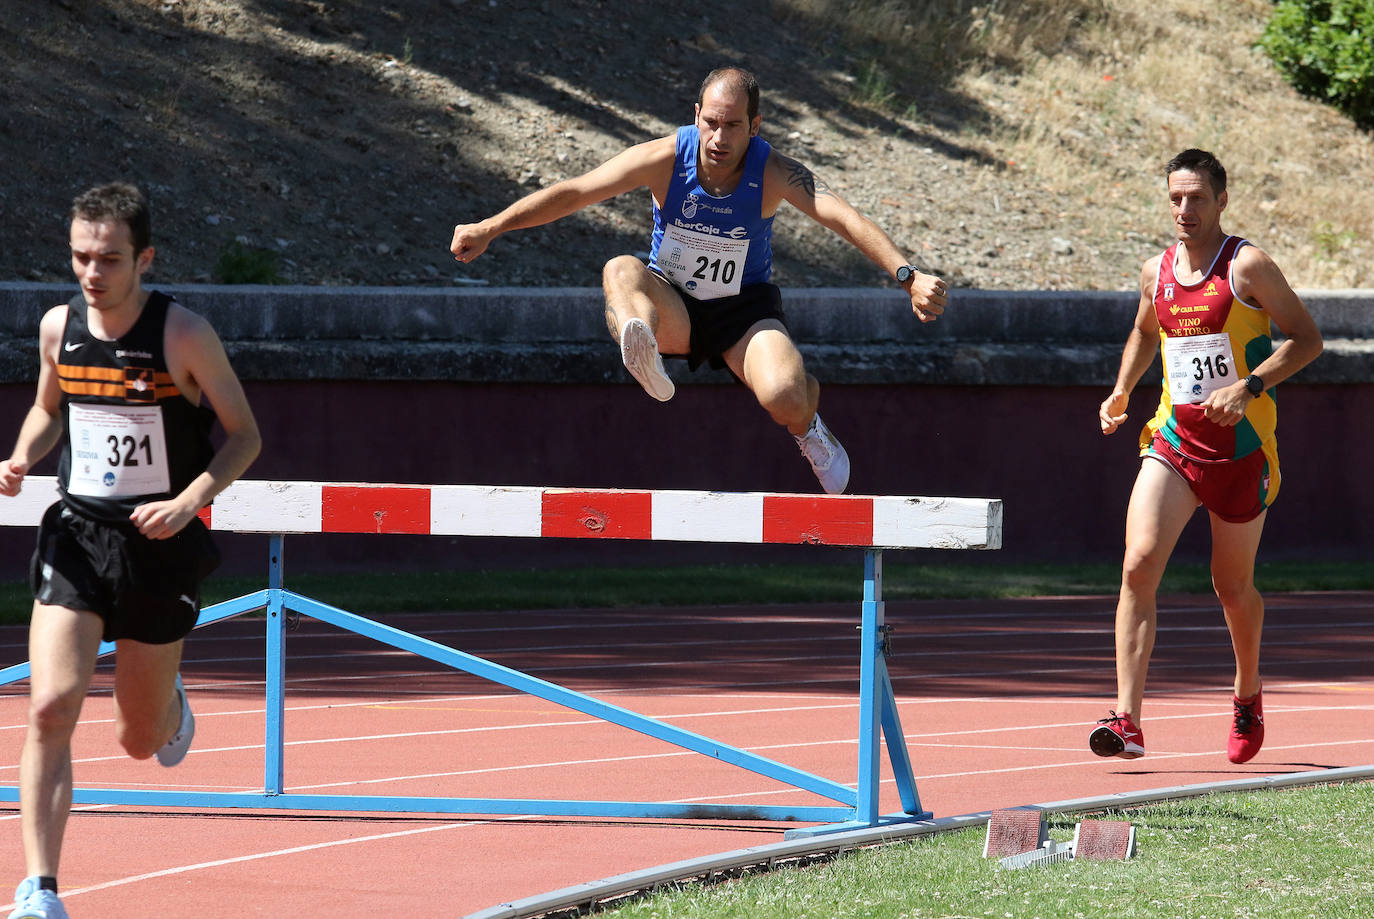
140, 384
689, 207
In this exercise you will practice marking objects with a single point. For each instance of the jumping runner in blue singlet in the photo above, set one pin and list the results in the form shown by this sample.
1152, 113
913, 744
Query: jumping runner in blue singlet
705, 294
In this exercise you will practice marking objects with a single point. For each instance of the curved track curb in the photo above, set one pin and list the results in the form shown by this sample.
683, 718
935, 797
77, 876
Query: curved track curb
706, 868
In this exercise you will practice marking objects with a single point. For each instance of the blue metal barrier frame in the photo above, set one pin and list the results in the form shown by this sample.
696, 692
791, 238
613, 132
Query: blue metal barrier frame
857, 806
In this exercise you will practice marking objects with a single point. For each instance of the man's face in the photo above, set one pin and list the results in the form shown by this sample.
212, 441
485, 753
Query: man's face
104, 263
1196, 209
723, 120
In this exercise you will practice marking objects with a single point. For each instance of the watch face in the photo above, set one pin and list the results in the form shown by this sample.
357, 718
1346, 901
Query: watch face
904, 274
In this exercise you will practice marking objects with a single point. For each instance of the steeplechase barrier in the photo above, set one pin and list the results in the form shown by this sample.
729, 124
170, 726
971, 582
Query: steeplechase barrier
282, 508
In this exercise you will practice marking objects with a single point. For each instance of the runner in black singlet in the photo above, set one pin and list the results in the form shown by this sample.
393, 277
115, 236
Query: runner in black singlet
124, 376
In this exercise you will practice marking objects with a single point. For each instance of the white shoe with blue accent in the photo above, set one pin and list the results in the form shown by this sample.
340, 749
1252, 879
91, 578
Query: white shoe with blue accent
827, 458
32, 902
174, 750
639, 351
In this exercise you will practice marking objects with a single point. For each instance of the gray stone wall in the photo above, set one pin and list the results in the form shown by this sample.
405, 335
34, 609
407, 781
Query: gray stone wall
558, 335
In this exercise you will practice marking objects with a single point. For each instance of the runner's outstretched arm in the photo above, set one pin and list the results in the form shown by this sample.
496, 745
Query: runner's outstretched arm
641, 165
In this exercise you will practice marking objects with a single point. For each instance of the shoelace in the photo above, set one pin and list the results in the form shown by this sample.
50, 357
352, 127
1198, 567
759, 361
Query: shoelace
40, 901
1245, 718
1113, 720
816, 449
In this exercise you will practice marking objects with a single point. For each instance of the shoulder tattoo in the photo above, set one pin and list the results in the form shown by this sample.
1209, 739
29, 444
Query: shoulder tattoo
798, 176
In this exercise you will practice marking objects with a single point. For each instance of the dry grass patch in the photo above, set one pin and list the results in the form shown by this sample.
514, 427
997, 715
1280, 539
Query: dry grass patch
1096, 122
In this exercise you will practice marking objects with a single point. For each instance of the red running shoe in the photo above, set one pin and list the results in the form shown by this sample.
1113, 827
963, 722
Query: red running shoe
1247, 729
1117, 735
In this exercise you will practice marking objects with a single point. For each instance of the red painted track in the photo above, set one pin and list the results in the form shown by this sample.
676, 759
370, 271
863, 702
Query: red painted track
995, 697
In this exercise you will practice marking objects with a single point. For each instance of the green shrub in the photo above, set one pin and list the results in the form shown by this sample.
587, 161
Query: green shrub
1326, 50
241, 264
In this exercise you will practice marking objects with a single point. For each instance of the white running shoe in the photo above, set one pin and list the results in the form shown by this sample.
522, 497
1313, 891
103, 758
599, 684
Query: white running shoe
174, 750
827, 458
639, 351
32, 902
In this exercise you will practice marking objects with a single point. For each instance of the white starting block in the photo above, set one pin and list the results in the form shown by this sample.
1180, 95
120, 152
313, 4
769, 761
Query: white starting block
1097, 840
1014, 831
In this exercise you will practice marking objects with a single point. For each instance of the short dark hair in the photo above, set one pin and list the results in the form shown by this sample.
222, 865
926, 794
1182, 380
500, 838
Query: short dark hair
117, 201
1201, 162
738, 79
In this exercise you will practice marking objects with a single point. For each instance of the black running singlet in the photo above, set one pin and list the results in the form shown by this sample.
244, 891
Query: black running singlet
129, 435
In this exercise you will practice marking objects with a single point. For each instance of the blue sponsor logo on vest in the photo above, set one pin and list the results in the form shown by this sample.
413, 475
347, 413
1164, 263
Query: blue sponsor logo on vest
698, 227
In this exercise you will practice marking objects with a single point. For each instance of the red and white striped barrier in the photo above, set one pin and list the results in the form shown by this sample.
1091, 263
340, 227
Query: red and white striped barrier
491, 510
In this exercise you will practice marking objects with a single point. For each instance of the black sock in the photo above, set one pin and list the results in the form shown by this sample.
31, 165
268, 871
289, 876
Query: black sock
46, 883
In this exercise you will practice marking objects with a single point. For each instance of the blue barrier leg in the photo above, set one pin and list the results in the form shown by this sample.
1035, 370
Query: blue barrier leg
870, 729
897, 751
878, 719
275, 737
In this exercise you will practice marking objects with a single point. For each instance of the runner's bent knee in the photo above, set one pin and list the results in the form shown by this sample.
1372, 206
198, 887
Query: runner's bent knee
782, 395
140, 741
143, 730
624, 273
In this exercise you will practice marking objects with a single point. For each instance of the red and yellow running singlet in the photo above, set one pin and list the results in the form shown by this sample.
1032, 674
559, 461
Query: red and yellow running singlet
1210, 338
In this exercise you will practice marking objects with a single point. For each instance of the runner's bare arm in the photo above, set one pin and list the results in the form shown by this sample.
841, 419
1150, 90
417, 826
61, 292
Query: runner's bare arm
197, 362
42, 426
794, 183
647, 164
1260, 282
1139, 353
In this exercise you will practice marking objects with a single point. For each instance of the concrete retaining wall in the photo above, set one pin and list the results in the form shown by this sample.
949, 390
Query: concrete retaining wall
558, 335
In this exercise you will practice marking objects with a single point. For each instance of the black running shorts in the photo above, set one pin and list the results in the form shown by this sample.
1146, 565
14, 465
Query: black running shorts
144, 589
718, 324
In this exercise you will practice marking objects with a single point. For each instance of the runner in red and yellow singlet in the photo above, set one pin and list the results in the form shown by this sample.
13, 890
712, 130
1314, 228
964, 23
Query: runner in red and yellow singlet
1210, 339
1206, 303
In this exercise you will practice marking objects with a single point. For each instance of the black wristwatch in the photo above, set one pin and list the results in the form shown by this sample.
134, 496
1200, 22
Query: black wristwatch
905, 272
1254, 385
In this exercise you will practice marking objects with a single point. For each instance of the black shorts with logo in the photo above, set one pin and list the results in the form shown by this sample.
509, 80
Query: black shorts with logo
718, 324
144, 589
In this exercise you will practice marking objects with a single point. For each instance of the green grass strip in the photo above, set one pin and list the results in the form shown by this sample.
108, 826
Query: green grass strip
583, 588
1298, 853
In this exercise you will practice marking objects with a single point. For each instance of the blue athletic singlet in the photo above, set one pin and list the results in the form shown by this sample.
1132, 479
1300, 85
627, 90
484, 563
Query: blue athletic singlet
708, 246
